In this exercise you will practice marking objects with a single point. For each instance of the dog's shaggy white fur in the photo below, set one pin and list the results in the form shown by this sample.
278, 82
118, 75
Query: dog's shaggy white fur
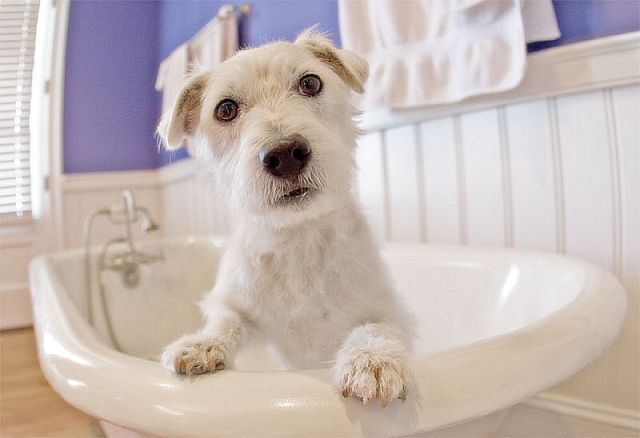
302, 270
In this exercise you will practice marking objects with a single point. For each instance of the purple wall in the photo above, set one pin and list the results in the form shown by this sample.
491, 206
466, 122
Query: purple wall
115, 48
110, 105
269, 20
581, 20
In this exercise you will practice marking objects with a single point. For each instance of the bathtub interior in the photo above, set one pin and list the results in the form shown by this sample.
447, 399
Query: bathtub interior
161, 307
458, 297
464, 295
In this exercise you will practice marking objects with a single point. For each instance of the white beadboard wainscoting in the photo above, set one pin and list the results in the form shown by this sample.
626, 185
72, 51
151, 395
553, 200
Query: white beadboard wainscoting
552, 165
554, 174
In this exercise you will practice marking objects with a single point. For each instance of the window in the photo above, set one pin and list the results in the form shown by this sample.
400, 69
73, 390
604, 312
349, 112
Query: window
18, 19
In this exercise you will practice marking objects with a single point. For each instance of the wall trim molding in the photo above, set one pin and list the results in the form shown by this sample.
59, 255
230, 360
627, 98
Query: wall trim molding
15, 306
588, 65
595, 412
23, 238
152, 178
183, 169
53, 226
99, 181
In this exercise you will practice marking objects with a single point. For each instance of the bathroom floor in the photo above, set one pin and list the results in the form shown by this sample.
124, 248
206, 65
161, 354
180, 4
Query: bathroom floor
28, 405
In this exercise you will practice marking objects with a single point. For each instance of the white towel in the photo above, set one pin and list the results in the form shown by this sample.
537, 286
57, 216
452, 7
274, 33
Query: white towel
214, 43
171, 75
217, 41
424, 52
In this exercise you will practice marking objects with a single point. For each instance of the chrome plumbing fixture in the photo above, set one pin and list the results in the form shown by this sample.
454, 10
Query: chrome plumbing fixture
126, 262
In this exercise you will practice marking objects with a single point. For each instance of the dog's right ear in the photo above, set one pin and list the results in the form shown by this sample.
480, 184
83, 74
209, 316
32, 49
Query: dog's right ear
181, 121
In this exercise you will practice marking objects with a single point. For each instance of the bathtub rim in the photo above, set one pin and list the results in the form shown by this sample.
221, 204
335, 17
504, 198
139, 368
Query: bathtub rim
307, 397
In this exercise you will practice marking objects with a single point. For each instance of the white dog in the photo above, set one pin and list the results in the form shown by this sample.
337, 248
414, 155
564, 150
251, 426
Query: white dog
302, 270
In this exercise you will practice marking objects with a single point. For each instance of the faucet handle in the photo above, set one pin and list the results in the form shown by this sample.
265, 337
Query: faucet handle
147, 225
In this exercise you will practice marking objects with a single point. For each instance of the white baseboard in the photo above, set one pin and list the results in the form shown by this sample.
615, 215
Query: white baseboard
15, 306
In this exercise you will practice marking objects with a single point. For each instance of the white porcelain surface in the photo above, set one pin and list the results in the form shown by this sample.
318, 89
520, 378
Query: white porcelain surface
495, 326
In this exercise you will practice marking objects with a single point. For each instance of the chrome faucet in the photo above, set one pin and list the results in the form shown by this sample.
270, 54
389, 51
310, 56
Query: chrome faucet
127, 262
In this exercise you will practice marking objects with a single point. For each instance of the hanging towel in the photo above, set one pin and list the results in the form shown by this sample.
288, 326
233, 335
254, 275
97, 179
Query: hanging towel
425, 52
216, 42
171, 74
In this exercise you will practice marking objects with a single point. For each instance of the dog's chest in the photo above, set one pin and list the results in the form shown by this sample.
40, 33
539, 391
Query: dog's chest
299, 288
297, 282
298, 306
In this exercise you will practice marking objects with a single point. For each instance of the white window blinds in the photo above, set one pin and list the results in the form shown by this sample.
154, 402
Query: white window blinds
18, 20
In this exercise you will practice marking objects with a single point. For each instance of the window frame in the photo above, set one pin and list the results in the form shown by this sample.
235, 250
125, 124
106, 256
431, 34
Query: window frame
43, 224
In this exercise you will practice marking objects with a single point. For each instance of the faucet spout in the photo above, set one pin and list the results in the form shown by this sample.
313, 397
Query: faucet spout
129, 204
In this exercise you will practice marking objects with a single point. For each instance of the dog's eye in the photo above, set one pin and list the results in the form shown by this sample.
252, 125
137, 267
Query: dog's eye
310, 85
226, 110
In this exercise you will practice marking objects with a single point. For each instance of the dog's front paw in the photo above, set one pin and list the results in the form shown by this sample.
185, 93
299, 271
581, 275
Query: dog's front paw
371, 375
189, 356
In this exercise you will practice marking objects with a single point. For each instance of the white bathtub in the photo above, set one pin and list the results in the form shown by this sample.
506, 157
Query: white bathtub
496, 327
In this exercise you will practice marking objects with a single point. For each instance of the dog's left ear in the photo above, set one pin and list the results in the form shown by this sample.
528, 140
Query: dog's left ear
351, 68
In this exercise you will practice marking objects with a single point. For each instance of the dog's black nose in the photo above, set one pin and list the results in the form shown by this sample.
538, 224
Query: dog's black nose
287, 158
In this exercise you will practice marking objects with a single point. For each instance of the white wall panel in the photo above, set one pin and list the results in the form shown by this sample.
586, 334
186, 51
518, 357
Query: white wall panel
205, 205
175, 199
440, 181
14, 262
483, 177
77, 205
531, 175
194, 206
371, 181
586, 168
15, 304
626, 105
72, 218
400, 146
191, 202
626, 112
557, 174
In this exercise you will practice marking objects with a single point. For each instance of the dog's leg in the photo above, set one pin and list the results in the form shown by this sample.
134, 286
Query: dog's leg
205, 350
372, 364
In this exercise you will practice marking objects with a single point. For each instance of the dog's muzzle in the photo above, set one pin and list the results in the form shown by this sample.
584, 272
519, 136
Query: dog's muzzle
287, 157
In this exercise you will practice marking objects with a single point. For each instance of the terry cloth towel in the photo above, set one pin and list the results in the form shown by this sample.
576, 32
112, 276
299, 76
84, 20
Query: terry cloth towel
217, 41
425, 52
214, 43
171, 75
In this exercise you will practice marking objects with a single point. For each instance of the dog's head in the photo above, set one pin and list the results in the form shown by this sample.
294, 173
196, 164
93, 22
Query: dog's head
277, 124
